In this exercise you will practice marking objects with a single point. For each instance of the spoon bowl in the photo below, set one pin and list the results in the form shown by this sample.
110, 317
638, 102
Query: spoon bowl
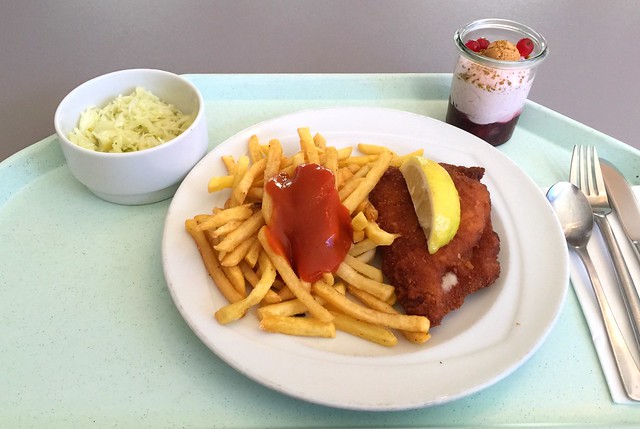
573, 211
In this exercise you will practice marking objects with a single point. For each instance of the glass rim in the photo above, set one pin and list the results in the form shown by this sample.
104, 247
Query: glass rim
503, 24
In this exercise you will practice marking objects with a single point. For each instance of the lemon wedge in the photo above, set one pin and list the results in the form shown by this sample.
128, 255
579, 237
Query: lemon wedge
435, 199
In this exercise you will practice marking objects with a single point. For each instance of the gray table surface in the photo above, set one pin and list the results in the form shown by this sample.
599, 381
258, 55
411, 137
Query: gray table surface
48, 48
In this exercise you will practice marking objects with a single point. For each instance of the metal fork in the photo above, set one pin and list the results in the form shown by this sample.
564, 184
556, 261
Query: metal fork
587, 175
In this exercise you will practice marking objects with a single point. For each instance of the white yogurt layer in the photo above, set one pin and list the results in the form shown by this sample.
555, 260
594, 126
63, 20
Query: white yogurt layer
487, 95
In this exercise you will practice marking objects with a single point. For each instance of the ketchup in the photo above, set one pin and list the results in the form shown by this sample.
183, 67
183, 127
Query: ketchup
309, 225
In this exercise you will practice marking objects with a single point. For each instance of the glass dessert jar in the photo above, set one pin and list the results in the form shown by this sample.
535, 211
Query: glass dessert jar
492, 78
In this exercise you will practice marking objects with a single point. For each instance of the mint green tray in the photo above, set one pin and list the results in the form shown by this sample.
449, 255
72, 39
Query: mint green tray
89, 335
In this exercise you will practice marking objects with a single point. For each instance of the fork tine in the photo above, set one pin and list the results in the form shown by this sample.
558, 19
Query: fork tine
585, 172
597, 173
587, 169
590, 170
574, 169
583, 176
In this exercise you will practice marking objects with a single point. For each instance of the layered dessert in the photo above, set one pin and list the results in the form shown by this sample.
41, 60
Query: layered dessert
491, 82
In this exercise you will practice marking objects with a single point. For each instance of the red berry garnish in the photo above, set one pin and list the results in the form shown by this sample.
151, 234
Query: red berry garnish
473, 45
525, 47
483, 43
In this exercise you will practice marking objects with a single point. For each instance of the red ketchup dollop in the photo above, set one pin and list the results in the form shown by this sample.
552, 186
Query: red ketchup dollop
309, 225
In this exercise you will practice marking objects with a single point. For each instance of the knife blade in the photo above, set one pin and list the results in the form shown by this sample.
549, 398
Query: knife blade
624, 202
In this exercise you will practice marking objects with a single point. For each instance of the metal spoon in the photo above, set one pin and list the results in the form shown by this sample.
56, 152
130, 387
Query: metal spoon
576, 218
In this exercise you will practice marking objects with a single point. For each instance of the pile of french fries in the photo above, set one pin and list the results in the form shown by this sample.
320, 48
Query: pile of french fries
250, 273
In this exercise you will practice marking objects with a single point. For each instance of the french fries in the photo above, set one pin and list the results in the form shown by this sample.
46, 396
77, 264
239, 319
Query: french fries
295, 284
252, 275
367, 331
365, 314
238, 309
301, 326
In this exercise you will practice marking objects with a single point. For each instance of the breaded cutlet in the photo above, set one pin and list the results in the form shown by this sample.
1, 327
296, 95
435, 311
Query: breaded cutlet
433, 285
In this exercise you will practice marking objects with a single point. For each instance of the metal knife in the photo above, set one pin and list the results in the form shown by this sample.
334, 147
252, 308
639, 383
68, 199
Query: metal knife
624, 202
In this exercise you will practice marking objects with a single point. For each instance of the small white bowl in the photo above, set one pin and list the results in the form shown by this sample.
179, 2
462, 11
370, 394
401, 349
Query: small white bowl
145, 176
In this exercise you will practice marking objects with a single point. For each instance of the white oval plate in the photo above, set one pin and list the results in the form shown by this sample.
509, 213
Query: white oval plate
494, 332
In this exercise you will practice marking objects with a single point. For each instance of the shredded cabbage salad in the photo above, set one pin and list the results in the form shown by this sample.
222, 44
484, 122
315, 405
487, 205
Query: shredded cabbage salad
130, 123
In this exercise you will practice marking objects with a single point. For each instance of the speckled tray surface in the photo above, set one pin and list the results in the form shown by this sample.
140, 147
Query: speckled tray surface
90, 336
